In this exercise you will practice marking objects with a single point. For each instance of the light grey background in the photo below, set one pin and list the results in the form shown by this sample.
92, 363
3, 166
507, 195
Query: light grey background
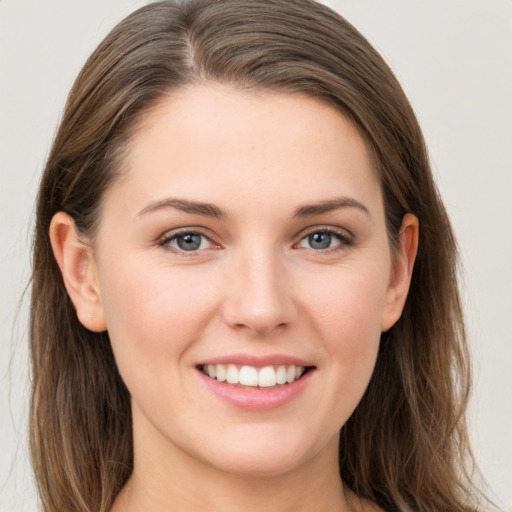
453, 58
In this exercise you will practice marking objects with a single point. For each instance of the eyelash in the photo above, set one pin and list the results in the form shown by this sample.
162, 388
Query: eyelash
168, 238
345, 239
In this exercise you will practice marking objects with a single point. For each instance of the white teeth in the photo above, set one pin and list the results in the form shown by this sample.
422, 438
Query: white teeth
232, 375
221, 372
281, 375
248, 376
265, 377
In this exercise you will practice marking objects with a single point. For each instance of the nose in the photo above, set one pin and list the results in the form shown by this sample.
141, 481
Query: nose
259, 295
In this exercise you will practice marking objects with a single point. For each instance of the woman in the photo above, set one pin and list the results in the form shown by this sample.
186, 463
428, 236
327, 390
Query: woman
244, 288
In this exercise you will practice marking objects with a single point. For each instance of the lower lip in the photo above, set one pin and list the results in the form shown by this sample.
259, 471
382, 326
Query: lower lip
257, 399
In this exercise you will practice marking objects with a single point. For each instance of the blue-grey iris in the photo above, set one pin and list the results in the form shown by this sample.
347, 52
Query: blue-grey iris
320, 240
189, 242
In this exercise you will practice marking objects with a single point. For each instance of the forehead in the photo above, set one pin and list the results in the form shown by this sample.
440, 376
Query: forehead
204, 139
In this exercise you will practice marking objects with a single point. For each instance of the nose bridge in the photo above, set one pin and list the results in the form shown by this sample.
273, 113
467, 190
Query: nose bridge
259, 297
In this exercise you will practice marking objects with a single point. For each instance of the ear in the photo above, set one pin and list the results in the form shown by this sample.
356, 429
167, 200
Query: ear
401, 273
78, 267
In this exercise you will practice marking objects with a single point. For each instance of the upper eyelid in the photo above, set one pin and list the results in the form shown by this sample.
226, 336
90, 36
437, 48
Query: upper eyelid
325, 229
172, 233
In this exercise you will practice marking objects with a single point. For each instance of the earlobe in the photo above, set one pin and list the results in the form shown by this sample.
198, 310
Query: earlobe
402, 271
78, 268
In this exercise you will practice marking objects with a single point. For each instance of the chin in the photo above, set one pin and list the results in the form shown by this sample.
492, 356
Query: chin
269, 452
260, 466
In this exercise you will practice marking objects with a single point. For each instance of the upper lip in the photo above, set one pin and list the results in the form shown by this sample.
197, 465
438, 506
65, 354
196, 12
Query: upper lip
257, 361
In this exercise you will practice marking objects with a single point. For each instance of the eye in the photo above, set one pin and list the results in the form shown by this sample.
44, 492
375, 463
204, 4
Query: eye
324, 239
187, 241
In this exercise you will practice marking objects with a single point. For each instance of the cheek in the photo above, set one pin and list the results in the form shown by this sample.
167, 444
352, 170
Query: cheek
153, 313
346, 309
349, 301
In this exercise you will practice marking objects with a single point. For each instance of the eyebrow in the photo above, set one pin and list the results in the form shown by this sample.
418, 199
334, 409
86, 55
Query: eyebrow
309, 210
210, 210
194, 207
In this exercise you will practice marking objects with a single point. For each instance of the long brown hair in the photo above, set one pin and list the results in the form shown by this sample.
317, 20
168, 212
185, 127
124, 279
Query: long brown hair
406, 445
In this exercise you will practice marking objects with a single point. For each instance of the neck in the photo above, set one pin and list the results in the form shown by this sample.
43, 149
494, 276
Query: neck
172, 480
166, 478
231, 493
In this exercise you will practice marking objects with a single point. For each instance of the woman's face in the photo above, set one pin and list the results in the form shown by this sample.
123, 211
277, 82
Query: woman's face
245, 246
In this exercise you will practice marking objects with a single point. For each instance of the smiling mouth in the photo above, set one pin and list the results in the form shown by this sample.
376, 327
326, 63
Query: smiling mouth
251, 376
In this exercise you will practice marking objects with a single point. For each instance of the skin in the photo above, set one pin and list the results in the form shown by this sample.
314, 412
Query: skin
255, 286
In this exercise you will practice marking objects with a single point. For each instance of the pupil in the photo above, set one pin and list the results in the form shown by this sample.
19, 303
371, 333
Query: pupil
320, 240
189, 242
